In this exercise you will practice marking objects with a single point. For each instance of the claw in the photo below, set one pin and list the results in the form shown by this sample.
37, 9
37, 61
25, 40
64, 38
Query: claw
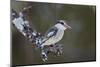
59, 52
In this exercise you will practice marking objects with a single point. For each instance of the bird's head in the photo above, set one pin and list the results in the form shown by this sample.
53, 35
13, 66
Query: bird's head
62, 25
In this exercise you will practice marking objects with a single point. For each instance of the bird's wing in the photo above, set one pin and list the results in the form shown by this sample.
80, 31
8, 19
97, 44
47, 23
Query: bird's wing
51, 32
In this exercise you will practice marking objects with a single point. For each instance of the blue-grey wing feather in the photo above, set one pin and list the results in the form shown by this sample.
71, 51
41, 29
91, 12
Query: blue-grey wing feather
51, 32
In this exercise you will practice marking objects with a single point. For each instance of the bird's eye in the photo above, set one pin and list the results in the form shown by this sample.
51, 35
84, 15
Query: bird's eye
62, 23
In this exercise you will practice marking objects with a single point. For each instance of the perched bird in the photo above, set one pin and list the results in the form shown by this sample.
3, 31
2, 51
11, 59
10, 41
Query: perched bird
55, 33
53, 36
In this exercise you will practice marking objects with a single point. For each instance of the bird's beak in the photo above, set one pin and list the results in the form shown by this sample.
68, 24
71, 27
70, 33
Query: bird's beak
68, 27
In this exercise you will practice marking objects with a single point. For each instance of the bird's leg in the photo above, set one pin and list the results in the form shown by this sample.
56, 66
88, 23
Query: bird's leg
59, 49
56, 49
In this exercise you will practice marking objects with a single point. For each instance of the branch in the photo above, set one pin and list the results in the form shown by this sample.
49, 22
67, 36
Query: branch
23, 26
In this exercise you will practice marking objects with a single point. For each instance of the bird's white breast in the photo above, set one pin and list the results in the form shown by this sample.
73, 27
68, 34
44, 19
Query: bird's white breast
55, 38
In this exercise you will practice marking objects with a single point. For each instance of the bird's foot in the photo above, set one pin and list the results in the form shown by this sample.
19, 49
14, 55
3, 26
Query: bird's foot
57, 49
59, 52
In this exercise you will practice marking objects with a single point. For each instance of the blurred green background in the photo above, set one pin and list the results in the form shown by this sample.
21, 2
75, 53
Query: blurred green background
79, 43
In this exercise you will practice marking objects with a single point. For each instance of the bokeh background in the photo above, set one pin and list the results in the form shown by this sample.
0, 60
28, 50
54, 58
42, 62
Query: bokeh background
79, 44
